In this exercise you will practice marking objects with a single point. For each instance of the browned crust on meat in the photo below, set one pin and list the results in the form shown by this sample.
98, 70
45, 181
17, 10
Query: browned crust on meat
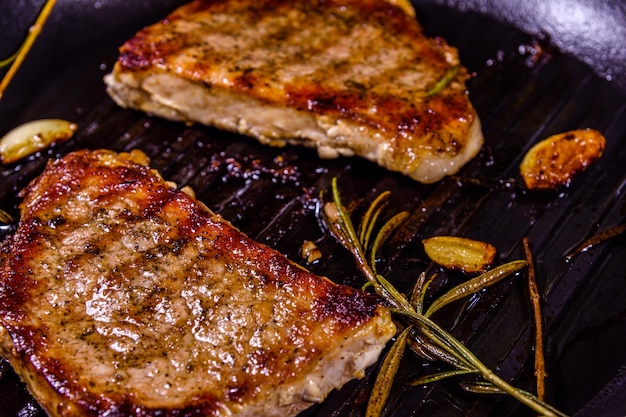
104, 243
379, 82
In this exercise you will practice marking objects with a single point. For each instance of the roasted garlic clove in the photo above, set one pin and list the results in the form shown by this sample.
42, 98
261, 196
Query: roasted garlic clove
553, 162
309, 252
458, 253
32, 137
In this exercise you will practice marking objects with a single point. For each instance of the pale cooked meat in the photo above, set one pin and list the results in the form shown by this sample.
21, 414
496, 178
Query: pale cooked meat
123, 296
345, 76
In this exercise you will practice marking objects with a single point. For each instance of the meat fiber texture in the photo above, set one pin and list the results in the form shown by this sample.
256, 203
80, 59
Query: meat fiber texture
121, 295
347, 77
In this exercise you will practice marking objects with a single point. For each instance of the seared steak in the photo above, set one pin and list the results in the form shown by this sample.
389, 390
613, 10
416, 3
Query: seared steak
345, 76
121, 295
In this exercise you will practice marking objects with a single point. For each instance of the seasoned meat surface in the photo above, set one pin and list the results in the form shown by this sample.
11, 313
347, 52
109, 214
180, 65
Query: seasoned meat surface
121, 295
349, 77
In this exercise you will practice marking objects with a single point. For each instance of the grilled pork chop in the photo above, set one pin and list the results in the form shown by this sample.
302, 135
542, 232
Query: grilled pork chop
345, 76
123, 296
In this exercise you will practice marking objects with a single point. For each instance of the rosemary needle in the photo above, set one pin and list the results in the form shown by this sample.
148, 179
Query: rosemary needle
384, 380
436, 342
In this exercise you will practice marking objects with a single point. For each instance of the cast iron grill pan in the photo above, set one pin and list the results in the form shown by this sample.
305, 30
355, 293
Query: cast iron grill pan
524, 89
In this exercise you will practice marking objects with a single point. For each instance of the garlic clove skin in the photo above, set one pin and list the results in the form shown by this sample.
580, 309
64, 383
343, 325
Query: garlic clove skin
31, 137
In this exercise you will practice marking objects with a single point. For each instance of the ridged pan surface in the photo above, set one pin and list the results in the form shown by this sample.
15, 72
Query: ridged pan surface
524, 88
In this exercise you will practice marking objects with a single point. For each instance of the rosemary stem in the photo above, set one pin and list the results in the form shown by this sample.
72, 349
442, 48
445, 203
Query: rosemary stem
522, 396
465, 361
33, 33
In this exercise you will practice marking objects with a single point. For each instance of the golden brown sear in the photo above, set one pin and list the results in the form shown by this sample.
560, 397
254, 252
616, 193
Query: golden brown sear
348, 77
123, 296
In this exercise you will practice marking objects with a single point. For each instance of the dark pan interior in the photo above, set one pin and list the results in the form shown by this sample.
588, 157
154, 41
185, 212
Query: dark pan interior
530, 81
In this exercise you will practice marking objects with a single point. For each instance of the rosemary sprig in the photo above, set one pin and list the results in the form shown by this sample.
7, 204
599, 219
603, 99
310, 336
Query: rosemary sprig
419, 332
